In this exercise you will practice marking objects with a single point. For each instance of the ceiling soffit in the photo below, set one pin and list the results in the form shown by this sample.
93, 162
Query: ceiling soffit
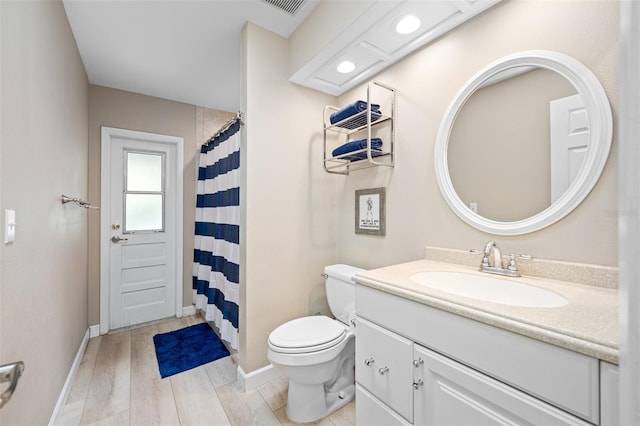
372, 43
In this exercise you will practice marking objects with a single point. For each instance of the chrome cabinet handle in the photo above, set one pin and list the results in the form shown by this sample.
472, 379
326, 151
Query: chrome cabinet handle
418, 362
369, 361
417, 384
383, 370
10, 373
116, 239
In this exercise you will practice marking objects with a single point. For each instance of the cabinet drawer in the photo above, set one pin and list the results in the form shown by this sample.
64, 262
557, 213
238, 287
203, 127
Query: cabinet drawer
564, 378
371, 412
384, 366
453, 394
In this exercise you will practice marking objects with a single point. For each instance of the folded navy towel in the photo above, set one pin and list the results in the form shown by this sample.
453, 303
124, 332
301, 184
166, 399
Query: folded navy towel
352, 109
362, 155
376, 143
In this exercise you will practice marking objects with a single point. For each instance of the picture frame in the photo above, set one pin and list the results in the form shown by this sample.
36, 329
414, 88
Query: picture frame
370, 214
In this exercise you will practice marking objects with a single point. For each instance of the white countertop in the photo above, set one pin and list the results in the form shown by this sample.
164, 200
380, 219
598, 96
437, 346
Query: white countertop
587, 324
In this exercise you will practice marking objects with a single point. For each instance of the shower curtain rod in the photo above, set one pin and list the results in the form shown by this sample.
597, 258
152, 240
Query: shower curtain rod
239, 116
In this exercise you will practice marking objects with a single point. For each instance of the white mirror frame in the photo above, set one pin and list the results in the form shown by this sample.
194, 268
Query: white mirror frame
598, 109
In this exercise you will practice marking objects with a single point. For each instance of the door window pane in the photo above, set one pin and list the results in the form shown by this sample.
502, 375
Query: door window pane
143, 212
144, 172
144, 192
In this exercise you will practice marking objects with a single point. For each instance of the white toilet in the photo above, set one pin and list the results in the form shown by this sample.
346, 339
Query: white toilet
317, 353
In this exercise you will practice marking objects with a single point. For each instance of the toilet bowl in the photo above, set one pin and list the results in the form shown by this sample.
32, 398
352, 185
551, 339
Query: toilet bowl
317, 353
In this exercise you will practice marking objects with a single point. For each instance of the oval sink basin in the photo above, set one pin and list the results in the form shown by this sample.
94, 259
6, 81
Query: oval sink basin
489, 289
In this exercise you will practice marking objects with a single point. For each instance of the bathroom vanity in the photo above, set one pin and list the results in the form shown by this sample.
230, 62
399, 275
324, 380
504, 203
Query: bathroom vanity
439, 343
429, 357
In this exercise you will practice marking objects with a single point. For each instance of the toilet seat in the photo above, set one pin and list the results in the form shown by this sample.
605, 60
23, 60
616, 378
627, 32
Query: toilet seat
307, 334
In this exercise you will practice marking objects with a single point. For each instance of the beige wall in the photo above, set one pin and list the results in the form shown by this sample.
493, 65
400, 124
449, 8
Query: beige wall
288, 201
44, 97
132, 111
427, 81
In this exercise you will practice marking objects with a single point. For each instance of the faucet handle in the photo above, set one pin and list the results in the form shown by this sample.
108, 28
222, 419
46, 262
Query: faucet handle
524, 256
485, 257
511, 265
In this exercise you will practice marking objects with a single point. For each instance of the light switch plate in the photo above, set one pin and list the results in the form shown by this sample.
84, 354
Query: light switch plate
9, 226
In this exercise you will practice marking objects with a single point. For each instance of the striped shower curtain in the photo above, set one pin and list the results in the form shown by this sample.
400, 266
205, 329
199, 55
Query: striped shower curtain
216, 268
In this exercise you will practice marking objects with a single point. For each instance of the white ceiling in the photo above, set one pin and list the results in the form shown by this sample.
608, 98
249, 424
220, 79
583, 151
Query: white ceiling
184, 50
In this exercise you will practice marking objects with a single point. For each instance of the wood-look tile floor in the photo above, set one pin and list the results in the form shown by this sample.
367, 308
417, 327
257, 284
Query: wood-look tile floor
118, 383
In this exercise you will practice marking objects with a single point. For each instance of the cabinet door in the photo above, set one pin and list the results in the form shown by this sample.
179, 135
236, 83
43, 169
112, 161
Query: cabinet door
384, 366
371, 412
453, 394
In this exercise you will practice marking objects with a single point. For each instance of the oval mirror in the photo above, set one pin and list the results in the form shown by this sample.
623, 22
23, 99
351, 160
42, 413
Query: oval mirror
523, 142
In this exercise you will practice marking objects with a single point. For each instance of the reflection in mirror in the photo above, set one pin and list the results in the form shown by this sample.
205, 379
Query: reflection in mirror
500, 148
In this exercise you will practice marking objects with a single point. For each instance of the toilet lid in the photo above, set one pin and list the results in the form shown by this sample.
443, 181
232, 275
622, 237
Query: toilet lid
307, 334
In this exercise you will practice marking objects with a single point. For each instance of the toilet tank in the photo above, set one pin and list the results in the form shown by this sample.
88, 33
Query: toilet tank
341, 291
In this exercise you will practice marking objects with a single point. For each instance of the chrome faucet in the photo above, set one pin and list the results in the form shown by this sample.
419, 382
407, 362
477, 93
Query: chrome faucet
492, 255
492, 260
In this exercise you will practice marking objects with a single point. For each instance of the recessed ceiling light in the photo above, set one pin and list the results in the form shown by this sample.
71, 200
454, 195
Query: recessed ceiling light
346, 67
408, 24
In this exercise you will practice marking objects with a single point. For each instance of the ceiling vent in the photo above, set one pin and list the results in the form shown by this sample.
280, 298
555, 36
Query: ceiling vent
289, 6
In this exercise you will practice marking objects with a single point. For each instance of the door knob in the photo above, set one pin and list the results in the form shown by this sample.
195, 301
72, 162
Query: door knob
116, 239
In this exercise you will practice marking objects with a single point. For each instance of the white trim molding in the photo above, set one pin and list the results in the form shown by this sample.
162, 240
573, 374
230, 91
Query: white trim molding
188, 310
70, 377
629, 212
601, 130
94, 330
255, 378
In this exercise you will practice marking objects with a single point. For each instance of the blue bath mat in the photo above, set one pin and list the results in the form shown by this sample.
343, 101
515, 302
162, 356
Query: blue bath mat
187, 348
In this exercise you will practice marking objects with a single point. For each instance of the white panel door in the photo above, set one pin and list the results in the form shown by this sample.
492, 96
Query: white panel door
569, 140
140, 222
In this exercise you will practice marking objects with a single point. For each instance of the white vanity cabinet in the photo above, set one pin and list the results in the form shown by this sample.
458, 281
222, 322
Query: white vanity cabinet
419, 365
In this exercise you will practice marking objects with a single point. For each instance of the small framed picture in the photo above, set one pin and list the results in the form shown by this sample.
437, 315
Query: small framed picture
370, 211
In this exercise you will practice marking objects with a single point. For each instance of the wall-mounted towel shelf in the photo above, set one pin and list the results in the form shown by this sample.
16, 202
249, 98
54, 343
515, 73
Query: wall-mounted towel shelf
78, 202
374, 122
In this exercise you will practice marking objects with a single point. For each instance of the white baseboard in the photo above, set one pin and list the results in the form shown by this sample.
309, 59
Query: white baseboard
94, 330
188, 310
253, 379
72, 373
